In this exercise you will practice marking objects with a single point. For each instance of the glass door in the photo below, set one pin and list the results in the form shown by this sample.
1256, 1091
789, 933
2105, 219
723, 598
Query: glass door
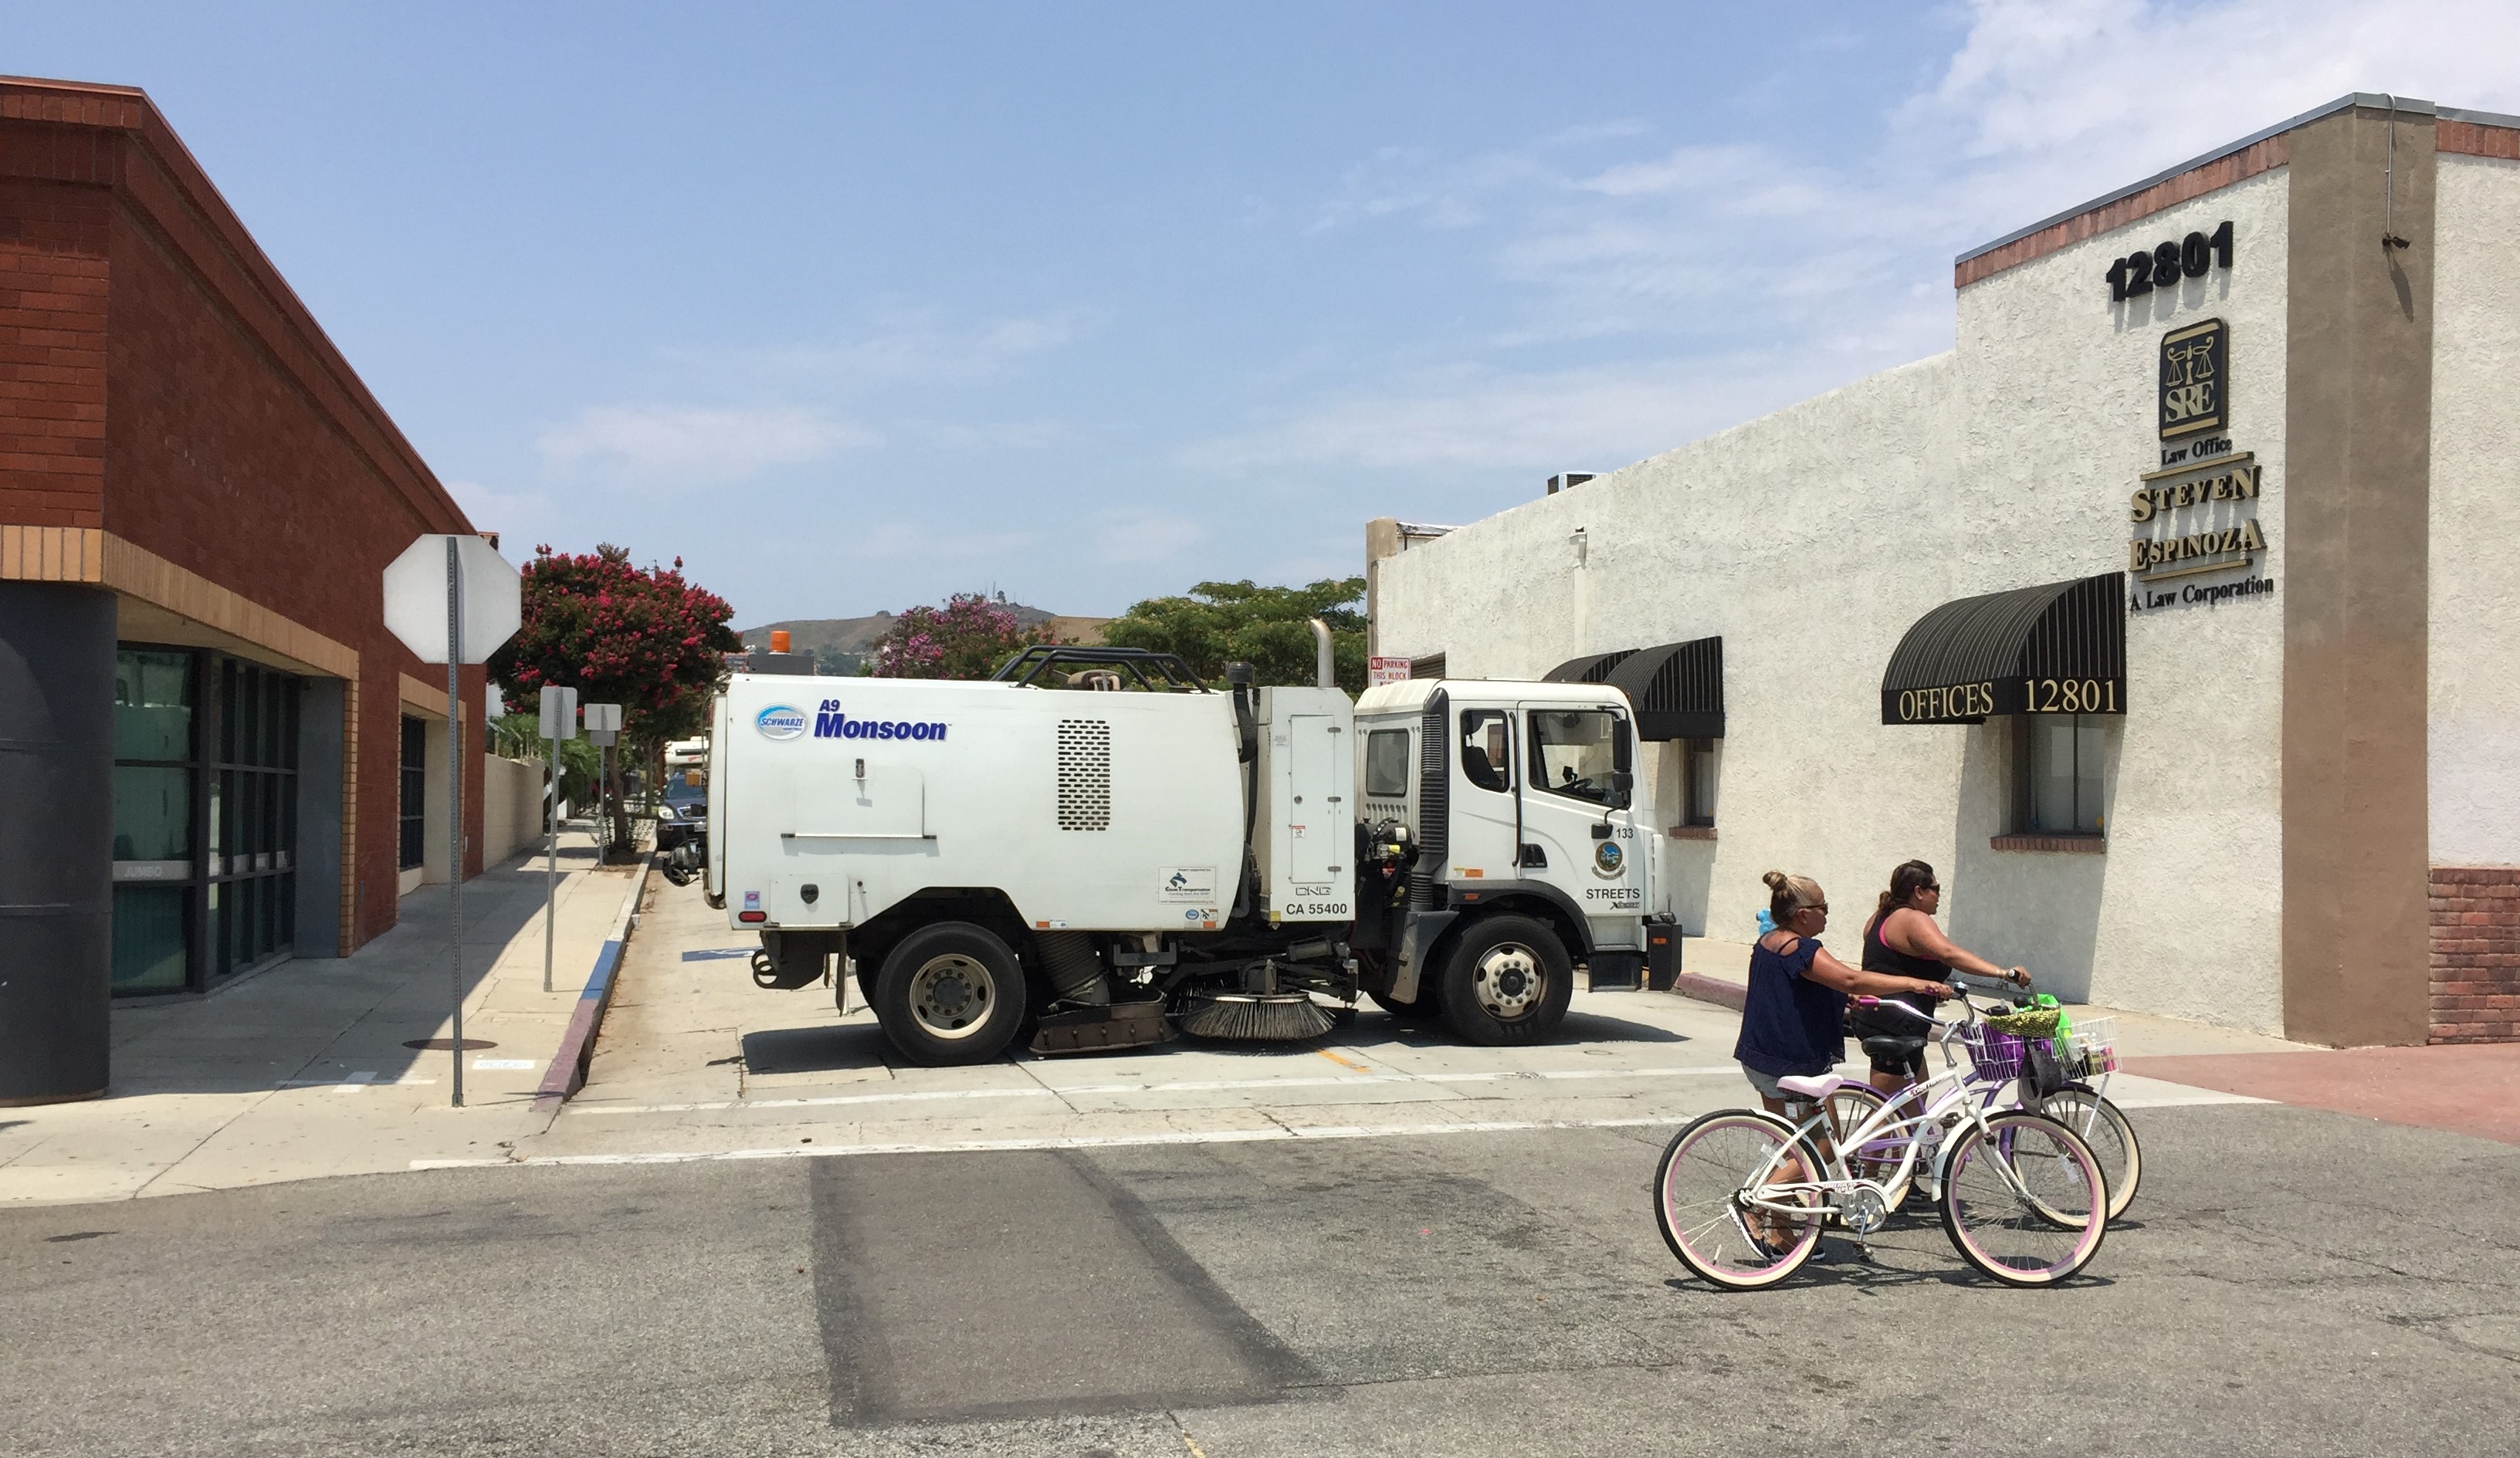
253, 818
155, 780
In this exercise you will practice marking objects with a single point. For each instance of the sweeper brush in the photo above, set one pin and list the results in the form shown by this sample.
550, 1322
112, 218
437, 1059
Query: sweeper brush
1255, 1017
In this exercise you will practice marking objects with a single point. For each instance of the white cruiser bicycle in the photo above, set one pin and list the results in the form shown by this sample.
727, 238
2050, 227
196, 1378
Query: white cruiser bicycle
1742, 1194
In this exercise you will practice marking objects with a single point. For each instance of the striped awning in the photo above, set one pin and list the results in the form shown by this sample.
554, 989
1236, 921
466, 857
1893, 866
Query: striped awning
1677, 688
2057, 648
1593, 668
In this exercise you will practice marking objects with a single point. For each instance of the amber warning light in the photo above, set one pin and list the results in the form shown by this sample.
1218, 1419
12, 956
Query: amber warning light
779, 639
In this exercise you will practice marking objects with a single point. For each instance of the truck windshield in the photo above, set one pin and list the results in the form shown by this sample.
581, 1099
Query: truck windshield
1572, 752
685, 786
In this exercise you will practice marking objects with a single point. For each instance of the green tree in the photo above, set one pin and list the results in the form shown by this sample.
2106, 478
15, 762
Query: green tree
1268, 627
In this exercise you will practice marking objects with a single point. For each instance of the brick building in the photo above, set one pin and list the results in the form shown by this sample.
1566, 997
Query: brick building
216, 754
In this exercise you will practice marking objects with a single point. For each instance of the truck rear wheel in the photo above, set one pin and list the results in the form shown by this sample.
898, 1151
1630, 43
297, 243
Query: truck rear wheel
949, 993
1507, 982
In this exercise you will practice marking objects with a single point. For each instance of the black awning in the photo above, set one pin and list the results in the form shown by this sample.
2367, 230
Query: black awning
1593, 668
2058, 648
1677, 689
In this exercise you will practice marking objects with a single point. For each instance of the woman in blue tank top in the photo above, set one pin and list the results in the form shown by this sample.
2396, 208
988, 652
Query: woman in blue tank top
1792, 1019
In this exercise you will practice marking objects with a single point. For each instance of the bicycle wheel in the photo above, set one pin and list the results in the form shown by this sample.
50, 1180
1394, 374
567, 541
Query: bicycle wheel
2024, 1199
1701, 1192
1879, 1159
2103, 1127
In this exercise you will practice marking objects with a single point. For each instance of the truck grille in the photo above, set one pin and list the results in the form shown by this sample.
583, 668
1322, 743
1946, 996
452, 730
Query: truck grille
1084, 774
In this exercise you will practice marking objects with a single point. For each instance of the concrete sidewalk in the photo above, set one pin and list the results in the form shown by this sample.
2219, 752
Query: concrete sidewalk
1719, 971
304, 1071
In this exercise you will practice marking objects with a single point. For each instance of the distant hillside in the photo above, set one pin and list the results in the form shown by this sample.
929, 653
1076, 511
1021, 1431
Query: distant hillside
841, 644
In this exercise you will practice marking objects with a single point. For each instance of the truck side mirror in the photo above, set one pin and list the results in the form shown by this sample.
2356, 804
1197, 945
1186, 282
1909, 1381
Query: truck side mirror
1623, 754
1622, 789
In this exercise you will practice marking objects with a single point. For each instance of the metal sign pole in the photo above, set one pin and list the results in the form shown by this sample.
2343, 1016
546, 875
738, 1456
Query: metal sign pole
455, 792
551, 872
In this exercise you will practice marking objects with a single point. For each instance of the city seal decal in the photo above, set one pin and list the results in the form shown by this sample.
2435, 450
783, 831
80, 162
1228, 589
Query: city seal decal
1608, 859
781, 721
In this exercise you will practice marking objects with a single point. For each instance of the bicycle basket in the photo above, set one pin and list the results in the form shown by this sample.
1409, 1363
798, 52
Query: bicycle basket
2092, 1048
1993, 1056
2030, 1021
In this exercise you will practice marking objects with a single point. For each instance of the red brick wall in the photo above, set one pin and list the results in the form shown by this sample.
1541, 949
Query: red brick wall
2476, 953
234, 460
160, 379
52, 352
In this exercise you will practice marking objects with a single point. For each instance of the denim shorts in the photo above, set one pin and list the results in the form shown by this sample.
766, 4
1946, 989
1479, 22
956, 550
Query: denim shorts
1767, 1086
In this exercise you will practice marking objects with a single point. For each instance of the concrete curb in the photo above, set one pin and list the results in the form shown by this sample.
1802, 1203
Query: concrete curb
568, 1072
1713, 990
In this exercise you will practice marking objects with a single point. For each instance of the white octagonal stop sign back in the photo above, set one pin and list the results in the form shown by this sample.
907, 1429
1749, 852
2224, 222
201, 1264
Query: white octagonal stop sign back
493, 600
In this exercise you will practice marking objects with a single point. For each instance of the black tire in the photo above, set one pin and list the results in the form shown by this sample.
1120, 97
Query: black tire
949, 993
1422, 1007
676, 874
1489, 991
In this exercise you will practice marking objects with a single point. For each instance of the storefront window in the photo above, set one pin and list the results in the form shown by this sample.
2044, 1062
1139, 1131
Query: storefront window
152, 817
2058, 781
1698, 780
1573, 752
1386, 763
149, 952
415, 792
254, 817
1486, 749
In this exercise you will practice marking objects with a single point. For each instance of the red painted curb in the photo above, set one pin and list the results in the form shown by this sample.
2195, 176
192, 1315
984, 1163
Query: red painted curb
567, 1070
1714, 990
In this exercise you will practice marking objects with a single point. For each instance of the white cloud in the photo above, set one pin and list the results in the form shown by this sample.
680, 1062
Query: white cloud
932, 541
1479, 420
1772, 275
1125, 536
910, 347
667, 445
511, 515
2054, 103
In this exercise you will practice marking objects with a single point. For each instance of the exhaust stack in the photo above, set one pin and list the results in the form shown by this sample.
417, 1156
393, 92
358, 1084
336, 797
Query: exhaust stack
1325, 663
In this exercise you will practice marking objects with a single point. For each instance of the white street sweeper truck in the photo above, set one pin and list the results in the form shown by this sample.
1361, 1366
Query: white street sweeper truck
1092, 849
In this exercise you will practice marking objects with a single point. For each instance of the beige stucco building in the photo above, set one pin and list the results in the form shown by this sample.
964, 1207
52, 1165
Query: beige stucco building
2169, 614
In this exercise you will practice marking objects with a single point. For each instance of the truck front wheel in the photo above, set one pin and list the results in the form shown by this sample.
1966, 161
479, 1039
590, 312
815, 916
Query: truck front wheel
949, 993
1507, 982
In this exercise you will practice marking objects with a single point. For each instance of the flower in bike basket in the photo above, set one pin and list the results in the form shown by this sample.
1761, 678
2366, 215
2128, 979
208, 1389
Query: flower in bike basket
2037, 1022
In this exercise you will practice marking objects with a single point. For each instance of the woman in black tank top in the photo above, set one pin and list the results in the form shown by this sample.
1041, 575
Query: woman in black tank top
1903, 940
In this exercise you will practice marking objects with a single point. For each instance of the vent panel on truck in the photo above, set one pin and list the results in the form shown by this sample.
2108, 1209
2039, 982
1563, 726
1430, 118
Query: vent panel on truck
1084, 774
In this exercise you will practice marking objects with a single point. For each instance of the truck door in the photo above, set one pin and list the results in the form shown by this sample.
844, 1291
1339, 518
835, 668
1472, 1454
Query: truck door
1484, 812
1573, 753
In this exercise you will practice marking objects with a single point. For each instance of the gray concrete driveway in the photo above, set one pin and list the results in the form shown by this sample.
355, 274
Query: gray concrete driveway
2292, 1282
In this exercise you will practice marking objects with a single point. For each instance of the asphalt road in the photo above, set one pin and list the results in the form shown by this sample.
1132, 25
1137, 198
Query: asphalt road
2291, 1282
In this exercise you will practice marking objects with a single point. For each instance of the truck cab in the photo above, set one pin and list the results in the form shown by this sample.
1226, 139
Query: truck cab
1508, 847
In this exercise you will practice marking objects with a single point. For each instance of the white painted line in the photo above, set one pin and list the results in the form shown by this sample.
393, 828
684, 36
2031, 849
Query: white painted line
1217, 1085
810, 1103
498, 1065
2182, 1096
1274, 1133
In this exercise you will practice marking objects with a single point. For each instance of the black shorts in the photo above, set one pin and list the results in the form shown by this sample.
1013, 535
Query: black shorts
1895, 1044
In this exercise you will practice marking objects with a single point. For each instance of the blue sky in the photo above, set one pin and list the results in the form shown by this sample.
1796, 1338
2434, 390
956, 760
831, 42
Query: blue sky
854, 306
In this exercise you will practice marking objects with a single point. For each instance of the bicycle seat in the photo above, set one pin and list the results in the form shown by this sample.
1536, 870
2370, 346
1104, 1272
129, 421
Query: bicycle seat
1884, 1048
1817, 1086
